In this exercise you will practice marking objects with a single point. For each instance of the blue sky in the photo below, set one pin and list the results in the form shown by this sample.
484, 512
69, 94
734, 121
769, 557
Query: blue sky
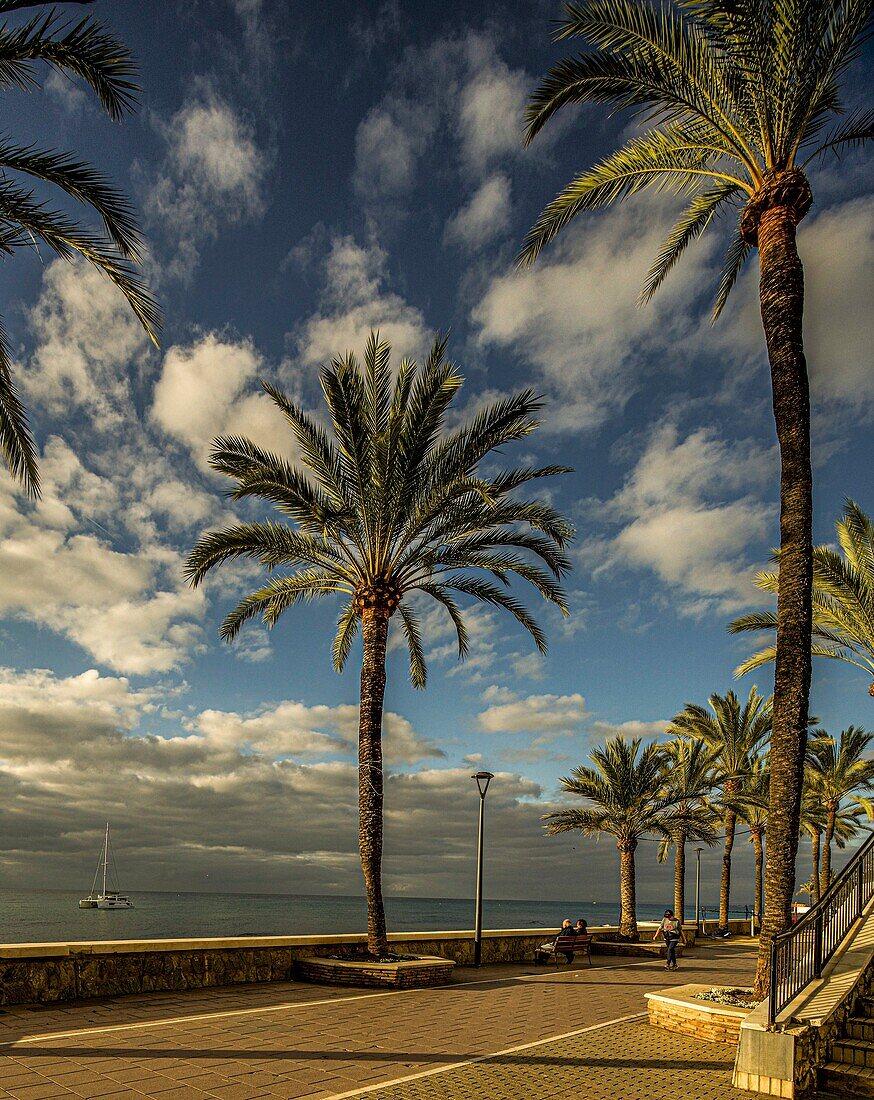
304, 177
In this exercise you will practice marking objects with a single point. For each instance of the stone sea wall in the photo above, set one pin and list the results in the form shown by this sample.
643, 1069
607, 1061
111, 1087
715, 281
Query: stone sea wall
51, 972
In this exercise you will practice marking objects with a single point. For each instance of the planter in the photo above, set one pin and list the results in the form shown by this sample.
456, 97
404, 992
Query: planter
406, 974
678, 1010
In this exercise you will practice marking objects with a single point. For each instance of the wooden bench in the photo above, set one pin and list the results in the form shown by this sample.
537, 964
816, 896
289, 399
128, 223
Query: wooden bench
566, 947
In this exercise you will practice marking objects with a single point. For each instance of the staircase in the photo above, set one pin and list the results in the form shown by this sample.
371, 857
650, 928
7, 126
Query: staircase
851, 1069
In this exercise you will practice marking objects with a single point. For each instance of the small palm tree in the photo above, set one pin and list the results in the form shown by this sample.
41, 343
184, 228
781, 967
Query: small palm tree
689, 780
389, 505
847, 825
839, 773
843, 598
625, 791
812, 825
734, 98
751, 806
736, 734
86, 50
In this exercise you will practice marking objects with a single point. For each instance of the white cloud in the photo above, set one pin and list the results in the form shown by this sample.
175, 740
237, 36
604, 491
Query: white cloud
209, 388
535, 714
294, 729
460, 87
356, 299
630, 729
680, 524
89, 344
837, 250
486, 216
491, 108
213, 175
573, 315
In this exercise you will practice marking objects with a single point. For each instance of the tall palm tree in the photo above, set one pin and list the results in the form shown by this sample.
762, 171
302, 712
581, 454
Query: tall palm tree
84, 49
385, 506
751, 806
733, 98
736, 734
840, 773
689, 781
625, 792
843, 598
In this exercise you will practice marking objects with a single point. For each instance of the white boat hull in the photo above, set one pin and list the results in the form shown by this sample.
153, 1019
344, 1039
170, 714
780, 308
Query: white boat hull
114, 902
88, 903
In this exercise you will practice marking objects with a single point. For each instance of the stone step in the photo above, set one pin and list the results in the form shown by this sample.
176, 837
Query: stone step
840, 1080
865, 1007
855, 1052
860, 1027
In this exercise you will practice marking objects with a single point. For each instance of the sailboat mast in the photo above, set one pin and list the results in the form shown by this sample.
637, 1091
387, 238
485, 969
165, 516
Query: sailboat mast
105, 857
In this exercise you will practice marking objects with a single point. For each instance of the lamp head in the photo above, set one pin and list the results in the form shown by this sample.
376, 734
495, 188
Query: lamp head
482, 781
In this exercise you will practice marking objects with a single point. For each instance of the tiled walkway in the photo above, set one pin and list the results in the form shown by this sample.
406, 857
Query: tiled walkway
296, 1040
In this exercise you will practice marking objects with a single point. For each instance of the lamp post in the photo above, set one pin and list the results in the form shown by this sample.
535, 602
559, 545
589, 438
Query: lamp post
698, 852
482, 782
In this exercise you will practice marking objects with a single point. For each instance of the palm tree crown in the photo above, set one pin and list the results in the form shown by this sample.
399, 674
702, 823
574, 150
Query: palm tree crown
391, 505
625, 790
839, 774
387, 506
86, 50
734, 99
843, 598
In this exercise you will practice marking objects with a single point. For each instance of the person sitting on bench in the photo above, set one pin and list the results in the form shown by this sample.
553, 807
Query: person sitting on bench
546, 950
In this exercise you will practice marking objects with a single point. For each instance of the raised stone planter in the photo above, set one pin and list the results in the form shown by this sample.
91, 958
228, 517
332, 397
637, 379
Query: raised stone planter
679, 1010
405, 974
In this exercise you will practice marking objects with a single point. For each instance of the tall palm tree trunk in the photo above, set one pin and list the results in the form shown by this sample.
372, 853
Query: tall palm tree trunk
725, 884
825, 875
759, 852
769, 221
680, 876
814, 866
374, 630
627, 892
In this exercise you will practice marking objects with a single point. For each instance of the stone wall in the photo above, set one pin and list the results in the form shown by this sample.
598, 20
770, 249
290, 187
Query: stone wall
51, 972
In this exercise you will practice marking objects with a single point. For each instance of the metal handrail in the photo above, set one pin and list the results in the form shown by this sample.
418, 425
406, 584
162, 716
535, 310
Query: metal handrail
799, 954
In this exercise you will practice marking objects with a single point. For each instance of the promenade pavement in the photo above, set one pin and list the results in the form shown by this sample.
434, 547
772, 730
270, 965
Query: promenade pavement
505, 1031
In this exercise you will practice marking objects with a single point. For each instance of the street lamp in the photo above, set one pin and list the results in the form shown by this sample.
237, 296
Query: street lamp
482, 782
698, 852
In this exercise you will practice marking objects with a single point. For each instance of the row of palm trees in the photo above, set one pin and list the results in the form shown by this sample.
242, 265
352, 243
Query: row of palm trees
712, 773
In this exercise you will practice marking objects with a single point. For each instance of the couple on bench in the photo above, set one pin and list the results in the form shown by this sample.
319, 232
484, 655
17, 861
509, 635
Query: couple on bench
571, 938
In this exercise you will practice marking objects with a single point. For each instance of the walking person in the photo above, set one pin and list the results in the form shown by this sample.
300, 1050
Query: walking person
671, 929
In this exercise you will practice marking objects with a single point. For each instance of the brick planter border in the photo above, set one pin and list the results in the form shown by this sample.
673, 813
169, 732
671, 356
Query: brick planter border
408, 974
679, 1010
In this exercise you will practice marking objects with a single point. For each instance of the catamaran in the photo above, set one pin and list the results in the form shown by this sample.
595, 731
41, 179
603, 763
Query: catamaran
106, 899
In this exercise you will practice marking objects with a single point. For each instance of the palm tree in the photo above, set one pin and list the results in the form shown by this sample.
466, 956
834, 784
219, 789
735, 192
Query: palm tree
689, 779
839, 771
751, 806
843, 598
388, 505
847, 825
87, 50
736, 735
625, 792
734, 98
812, 824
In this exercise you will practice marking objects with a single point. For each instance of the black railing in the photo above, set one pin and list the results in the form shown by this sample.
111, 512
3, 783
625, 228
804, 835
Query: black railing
799, 954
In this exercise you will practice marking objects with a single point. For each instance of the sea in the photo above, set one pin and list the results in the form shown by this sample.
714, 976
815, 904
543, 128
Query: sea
50, 916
